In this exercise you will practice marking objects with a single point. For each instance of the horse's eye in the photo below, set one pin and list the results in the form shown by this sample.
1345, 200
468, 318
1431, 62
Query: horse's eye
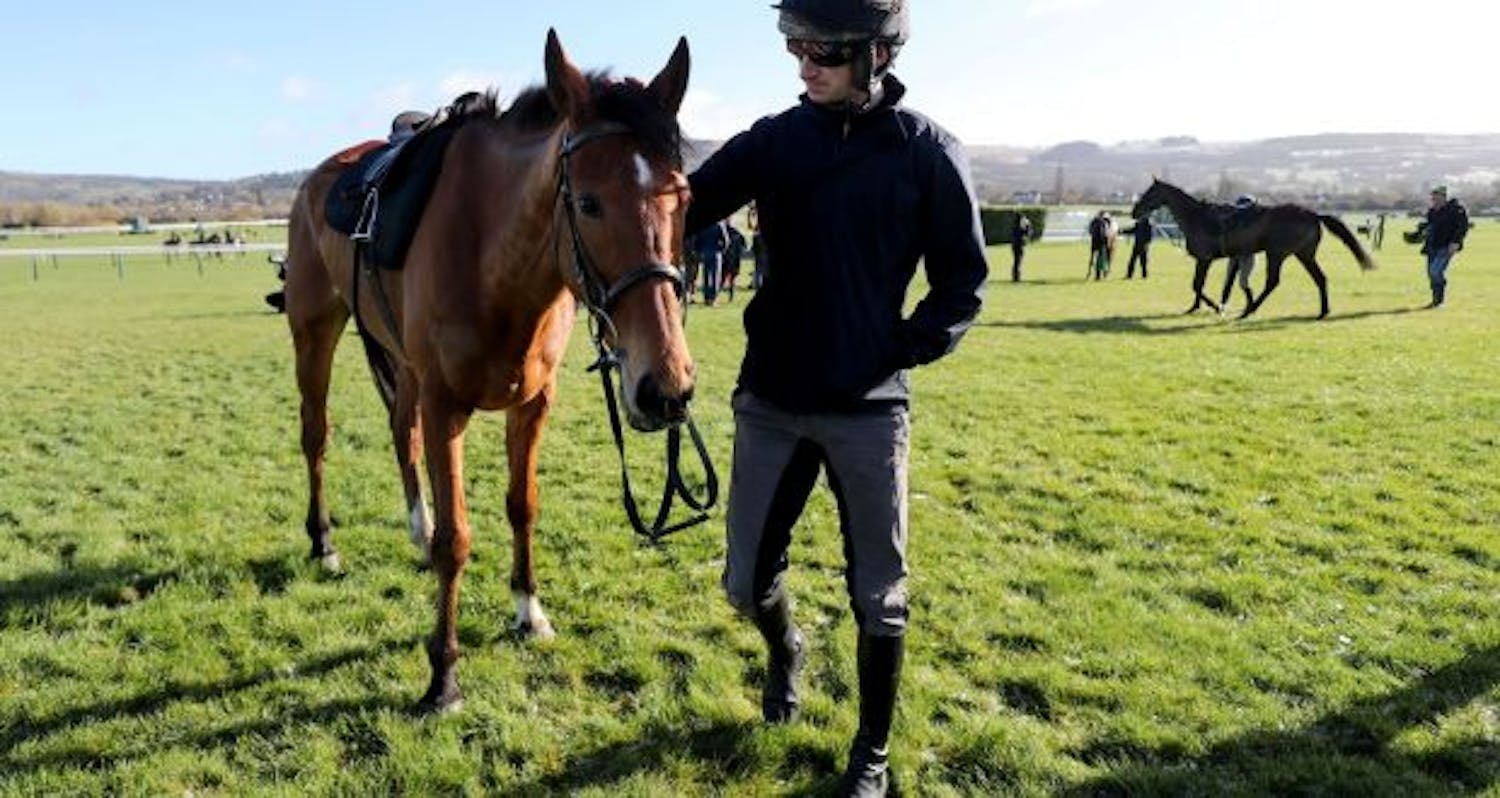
588, 205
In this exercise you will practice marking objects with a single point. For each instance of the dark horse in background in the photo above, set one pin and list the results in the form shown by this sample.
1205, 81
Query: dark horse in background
1279, 231
582, 175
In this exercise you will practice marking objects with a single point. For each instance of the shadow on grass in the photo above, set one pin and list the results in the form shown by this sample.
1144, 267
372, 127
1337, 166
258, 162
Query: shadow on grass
110, 586
234, 314
1109, 325
1141, 325
724, 747
1343, 753
1258, 325
30, 728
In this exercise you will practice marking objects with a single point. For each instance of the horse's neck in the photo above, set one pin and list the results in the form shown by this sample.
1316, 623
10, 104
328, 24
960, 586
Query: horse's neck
1182, 204
519, 237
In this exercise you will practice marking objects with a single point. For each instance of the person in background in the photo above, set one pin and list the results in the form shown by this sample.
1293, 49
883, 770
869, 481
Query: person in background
853, 190
733, 254
1020, 236
710, 244
1447, 226
1141, 234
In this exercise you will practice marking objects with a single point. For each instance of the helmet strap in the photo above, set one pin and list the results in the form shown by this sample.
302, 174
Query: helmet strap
867, 76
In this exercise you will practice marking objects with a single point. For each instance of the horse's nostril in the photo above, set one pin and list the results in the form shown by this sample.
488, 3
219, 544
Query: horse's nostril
650, 400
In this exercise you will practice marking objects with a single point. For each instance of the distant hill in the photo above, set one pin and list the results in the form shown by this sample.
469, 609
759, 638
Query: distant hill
1329, 168
158, 199
1354, 170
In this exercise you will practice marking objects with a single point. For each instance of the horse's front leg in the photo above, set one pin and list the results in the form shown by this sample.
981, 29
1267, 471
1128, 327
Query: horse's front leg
523, 434
1200, 276
406, 431
443, 423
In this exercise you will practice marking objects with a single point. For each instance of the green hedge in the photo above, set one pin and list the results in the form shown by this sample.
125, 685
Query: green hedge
998, 223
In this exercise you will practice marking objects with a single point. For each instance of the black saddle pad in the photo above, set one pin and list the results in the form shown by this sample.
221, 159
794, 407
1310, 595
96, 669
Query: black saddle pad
403, 177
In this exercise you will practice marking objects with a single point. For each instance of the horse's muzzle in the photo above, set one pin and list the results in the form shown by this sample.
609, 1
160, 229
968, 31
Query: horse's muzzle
655, 409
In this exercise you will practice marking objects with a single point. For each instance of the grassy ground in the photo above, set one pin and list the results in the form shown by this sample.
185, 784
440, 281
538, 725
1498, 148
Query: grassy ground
1153, 554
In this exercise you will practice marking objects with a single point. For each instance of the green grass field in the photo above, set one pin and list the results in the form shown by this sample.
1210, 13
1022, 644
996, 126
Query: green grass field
1152, 555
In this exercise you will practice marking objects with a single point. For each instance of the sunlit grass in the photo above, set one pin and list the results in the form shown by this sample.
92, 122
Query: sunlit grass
1152, 554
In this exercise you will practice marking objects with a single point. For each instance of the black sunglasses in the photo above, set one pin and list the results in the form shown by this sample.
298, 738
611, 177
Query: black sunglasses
823, 54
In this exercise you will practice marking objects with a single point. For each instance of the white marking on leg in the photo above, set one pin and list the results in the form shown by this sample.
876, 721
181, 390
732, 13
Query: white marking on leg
331, 563
530, 618
643, 174
421, 528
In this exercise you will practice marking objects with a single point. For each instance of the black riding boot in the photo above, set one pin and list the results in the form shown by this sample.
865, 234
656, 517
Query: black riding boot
868, 774
788, 653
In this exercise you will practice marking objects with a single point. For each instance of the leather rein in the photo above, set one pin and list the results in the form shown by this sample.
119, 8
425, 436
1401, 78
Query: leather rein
599, 297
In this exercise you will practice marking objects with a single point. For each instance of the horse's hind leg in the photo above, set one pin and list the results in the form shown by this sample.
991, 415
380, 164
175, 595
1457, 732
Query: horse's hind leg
1273, 279
1310, 262
1245, 282
315, 334
523, 433
406, 432
1229, 284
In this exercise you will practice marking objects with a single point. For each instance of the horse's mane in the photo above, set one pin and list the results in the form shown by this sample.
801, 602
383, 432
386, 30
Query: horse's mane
626, 102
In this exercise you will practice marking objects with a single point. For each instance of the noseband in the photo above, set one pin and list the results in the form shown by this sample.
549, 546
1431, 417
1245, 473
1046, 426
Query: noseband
599, 297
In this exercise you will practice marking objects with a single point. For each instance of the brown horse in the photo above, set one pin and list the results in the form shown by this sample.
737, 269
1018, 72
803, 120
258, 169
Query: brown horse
1278, 231
575, 193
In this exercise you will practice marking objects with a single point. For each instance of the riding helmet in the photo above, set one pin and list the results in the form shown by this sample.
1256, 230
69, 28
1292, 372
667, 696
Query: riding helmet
845, 20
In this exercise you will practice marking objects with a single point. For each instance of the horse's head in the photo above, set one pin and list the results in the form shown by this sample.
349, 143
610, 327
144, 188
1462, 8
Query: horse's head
624, 205
1153, 198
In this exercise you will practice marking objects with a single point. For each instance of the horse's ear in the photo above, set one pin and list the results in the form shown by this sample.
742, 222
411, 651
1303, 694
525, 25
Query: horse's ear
566, 87
671, 83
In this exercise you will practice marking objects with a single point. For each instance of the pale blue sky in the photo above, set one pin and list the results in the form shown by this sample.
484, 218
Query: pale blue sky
217, 90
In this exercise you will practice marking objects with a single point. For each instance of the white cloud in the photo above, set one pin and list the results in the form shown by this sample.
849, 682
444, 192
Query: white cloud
299, 88
1048, 8
397, 97
706, 115
275, 131
457, 82
237, 62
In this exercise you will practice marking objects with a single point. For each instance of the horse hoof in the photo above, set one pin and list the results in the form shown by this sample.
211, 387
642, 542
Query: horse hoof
531, 623
537, 629
331, 564
443, 703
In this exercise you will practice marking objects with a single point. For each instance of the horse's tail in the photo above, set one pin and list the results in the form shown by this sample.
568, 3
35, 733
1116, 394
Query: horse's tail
1338, 228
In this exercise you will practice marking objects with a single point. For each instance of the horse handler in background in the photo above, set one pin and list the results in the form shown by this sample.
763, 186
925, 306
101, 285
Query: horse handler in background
1141, 234
1020, 236
852, 189
1447, 226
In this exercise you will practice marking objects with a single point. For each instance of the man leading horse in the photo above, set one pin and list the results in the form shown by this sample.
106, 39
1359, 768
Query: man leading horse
852, 190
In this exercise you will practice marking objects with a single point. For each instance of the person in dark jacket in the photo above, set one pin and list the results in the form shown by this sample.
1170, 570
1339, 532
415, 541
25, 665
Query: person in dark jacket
852, 190
733, 254
1020, 236
710, 244
1447, 225
1141, 234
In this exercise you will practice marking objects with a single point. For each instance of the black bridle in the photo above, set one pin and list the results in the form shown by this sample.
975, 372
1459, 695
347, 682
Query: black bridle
599, 297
